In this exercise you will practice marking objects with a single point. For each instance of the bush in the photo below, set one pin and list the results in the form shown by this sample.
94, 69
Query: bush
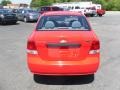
117, 4
110, 5
38, 3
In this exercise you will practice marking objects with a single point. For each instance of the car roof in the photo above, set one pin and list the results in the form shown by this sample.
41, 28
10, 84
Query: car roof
62, 13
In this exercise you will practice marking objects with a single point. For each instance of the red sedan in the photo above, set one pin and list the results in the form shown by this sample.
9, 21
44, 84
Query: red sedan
63, 43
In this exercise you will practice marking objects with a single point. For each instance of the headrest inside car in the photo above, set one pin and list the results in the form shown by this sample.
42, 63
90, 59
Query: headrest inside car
49, 25
76, 24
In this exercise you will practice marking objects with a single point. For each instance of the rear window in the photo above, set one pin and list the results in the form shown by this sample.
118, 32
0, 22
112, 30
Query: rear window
77, 7
93, 8
45, 9
56, 9
66, 22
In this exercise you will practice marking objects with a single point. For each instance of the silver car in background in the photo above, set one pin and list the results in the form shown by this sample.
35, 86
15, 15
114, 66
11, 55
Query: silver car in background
27, 15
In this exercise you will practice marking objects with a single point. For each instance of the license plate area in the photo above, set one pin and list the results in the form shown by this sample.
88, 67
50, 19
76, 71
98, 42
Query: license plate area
63, 51
61, 54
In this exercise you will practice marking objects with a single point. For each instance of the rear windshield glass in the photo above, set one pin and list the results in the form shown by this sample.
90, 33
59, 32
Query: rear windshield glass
45, 8
56, 9
66, 22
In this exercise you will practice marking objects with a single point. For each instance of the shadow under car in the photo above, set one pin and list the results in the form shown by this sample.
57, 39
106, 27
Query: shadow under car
64, 80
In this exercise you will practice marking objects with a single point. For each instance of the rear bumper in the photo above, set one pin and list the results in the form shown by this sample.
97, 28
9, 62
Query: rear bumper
90, 13
32, 19
84, 67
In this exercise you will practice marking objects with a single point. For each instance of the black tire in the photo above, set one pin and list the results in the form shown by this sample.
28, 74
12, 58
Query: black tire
36, 78
100, 15
90, 78
14, 22
3, 23
92, 15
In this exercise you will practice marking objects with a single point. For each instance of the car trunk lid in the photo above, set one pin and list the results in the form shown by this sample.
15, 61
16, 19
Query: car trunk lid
63, 45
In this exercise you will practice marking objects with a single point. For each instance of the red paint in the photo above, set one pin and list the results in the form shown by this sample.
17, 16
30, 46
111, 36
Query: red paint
63, 60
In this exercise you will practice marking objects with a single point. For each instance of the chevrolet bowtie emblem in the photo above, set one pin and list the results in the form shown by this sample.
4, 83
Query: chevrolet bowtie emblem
63, 41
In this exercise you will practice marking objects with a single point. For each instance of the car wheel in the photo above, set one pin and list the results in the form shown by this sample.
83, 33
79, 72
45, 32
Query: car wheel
3, 23
100, 15
25, 20
15, 22
92, 15
90, 78
36, 78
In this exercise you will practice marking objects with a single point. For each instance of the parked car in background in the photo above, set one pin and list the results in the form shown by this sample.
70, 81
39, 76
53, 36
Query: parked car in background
48, 9
6, 16
90, 11
100, 12
27, 15
86, 8
76, 9
15, 11
63, 43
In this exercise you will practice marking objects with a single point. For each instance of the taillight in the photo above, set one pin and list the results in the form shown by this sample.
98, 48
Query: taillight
31, 47
95, 47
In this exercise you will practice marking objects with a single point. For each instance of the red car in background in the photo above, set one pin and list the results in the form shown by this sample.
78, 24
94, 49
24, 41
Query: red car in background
48, 9
63, 43
100, 12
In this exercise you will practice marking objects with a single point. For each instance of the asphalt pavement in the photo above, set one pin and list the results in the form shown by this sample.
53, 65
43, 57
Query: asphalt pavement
14, 74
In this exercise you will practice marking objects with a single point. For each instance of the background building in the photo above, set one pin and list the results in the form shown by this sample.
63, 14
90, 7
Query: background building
16, 6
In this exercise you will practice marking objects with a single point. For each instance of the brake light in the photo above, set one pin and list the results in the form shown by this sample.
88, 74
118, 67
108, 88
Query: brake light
95, 47
31, 47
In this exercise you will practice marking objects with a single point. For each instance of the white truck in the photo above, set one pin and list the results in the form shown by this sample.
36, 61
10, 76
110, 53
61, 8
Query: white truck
72, 6
86, 8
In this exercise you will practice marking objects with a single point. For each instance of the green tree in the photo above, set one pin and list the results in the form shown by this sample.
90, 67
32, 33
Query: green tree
45, 2
5, 2
116, 5
110, 5
38, 3
35, 3
106, 4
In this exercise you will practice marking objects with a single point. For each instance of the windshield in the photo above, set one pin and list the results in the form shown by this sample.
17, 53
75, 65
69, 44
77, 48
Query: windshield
32, 11
5, 11
63, 22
